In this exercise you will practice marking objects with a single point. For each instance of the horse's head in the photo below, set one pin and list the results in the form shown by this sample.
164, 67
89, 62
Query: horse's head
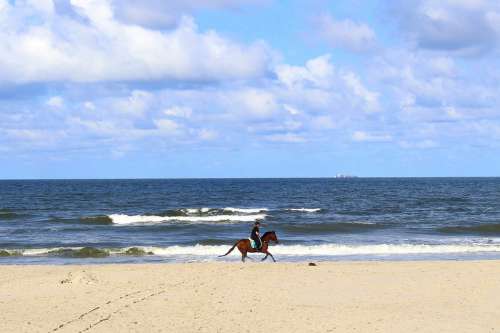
270, 236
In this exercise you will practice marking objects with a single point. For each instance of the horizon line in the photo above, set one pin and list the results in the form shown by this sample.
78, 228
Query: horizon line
243, 178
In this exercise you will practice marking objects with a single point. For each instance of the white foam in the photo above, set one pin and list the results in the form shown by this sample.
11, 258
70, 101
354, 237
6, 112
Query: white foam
301, 250
35, 252
197, 210
134, 219
332, 249
228, 209
307, 210
245, 210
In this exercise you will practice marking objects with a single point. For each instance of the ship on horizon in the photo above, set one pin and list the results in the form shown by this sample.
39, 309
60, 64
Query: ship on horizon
342, 175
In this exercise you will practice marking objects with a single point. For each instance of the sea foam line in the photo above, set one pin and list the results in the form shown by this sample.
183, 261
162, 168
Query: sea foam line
300, 250
333, 249
123, 219
245, 210
307, 210
227, 209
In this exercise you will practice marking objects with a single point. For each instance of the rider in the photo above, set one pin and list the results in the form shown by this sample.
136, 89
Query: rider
256, 235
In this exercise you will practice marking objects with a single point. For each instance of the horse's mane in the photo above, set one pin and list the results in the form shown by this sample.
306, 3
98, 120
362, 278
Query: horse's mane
267, 233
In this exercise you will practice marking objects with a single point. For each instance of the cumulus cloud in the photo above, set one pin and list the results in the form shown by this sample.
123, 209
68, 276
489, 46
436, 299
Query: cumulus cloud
320, 85
167, 13
167, 126
207, 134
317, 72
138, 102
291, 110
345, 33
424, 144
299, 104
361, 136
431, 87
369, 98
55, 102
462, 27
206, 90
286, 138
130, 78
95, 46
178, 111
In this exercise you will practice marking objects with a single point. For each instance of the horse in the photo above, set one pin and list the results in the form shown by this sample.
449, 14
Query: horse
245, 247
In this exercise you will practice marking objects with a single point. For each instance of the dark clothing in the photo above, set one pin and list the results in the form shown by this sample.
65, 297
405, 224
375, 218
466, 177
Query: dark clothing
255, 236
255, 232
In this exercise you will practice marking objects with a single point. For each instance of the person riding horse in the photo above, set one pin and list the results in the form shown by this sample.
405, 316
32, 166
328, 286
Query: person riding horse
245, 247
255, 235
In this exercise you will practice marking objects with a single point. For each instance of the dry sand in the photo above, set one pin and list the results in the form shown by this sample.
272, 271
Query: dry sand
232, 297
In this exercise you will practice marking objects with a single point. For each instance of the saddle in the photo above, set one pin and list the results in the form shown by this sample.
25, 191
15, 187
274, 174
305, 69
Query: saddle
252, 244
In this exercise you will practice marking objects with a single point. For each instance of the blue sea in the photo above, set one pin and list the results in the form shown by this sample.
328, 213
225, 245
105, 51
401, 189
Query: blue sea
50, 221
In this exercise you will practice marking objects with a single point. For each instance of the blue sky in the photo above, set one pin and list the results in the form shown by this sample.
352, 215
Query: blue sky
249, 88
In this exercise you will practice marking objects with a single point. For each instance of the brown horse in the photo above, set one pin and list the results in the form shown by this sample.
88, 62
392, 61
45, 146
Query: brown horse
245, 247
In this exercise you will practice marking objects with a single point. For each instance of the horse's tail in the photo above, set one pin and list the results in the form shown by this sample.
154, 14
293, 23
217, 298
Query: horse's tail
230, 250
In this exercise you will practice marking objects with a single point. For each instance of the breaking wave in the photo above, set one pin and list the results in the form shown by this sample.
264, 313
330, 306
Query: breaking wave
305, 210
245, 210
324, 250
334, 249
227, 210
123, 219
188, 215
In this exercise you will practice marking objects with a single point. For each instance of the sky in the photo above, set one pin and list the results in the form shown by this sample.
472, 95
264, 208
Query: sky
249, 88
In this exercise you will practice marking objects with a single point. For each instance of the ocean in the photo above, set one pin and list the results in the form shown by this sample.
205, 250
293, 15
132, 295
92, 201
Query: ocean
186, 220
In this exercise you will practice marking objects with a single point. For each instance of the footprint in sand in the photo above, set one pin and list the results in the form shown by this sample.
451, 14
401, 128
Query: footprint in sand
82, 277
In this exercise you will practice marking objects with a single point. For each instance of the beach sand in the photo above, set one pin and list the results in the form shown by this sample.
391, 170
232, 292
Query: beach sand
419, 296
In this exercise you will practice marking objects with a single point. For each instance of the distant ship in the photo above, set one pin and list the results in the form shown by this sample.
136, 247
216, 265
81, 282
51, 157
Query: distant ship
341, 175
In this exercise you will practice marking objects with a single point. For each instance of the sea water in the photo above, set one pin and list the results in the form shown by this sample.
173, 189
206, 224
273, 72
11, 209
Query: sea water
50, 221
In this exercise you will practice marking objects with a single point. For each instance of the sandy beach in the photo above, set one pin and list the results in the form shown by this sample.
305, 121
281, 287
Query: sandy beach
418, 296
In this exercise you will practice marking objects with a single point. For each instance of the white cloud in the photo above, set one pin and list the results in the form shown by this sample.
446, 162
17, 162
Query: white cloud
357, 37
89, 105
318, 72
370, 98
291, 110
166, 13
136, 103
178, 111
101, 48
106, 128
34, 138
167, 126
252, 103
361, 136
442, 65
424, 144
4, 6
55, 102
285, 138
323, 123
44, 6
465, 28
318, 85
207, 135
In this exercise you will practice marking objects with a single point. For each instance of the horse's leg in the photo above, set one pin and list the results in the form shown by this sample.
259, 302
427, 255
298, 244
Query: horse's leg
265, 257
270, 255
